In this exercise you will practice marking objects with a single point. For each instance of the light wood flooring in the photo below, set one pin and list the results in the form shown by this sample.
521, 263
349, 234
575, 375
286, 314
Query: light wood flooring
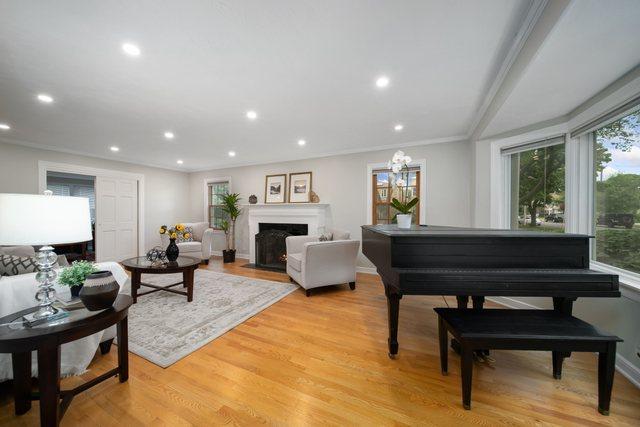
323, 361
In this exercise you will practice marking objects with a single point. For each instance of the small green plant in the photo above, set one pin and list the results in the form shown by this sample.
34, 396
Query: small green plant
77, 273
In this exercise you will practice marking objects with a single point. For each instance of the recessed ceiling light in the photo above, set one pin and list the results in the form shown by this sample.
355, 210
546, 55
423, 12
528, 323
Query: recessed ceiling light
179, 162
398, 127
252, 115
382, 81
4, 126
131, 49
232, 153
114, 149
43, 97
169, 135
301, 142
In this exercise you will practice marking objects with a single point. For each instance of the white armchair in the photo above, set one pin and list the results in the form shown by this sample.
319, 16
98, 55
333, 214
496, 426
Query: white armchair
202, 245
313, 264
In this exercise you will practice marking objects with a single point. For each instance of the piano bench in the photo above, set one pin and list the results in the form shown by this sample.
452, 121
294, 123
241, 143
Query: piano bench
545, 330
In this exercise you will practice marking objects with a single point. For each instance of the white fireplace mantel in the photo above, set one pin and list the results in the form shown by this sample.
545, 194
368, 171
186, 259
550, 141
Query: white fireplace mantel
314, 215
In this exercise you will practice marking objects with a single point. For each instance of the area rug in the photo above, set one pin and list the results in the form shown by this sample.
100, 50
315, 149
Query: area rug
164, 327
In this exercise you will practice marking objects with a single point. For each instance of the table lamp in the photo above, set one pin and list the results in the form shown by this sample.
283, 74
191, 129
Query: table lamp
43, 220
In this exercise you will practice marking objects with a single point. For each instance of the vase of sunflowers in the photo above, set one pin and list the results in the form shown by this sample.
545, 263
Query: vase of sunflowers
175, 233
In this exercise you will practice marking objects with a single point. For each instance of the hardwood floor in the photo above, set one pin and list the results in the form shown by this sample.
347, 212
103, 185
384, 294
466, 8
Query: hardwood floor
323, 360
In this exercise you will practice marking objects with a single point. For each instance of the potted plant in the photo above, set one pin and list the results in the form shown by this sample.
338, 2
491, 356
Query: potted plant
399, 164
231, 206
75, 275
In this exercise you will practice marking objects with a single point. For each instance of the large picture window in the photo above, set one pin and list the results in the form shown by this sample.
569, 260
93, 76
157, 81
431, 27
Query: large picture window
216, 215
617, 193
384, 191
537, 181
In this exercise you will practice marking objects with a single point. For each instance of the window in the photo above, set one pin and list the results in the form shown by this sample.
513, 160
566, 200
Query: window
537, 185
216, 215
617, 193
384, 191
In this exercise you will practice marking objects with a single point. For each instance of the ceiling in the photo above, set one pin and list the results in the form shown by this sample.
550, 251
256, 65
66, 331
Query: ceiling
308, 68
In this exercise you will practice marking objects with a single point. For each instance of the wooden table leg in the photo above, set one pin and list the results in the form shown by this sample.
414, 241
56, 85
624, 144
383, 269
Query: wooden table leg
135, 285
443, 337
187, 278
49, 382
21, 363
123, 350
393, 308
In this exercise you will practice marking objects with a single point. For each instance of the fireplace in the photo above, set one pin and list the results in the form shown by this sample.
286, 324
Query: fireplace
271, 248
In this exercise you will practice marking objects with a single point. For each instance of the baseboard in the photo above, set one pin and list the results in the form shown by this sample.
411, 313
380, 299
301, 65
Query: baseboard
629, 370
367, 270
626, 368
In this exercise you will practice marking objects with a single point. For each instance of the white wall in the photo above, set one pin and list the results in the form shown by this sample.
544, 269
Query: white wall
341, 181
166, 192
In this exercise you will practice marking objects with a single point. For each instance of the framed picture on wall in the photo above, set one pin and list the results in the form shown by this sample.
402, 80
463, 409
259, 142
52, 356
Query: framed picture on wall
275, 188
299, 187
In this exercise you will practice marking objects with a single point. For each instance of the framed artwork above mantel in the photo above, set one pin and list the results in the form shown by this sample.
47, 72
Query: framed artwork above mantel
300, 187
275, 188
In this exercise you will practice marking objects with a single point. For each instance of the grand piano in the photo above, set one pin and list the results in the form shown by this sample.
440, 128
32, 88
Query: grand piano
472, 262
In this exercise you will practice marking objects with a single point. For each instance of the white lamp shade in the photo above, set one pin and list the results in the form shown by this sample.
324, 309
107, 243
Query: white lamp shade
31, 219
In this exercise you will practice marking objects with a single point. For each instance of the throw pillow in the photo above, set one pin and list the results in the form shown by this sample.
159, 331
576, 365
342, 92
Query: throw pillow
325, 237
188, 231
11, 265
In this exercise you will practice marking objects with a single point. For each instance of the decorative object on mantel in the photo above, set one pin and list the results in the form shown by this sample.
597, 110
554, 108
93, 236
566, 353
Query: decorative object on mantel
231, 206
399, 164
275, 187
75, 275
100, 290
253, 199
314, 197
300, 187
175, 232
31, 219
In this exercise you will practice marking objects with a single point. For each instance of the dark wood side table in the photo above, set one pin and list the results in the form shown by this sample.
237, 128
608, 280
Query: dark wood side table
46, 339
140, 265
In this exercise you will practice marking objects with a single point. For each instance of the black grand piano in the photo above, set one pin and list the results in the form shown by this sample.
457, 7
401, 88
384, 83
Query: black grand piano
472, 262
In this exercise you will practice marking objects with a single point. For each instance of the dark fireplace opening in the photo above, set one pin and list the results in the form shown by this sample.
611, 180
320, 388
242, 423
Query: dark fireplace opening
271, 247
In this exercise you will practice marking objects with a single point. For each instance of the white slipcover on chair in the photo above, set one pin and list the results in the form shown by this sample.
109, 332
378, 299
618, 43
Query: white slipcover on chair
202, 245
17, 293
313, 264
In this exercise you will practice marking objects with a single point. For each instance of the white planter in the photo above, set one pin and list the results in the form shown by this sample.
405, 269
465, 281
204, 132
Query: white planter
404, 221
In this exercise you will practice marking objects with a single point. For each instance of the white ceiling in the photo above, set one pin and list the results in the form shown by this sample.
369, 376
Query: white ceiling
594, 43
307, 67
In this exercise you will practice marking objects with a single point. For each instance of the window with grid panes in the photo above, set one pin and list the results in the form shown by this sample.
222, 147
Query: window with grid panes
384, 191
216, 215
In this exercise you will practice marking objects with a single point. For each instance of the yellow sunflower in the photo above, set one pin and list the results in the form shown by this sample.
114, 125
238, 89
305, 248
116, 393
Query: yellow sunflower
174, 235
186, 235
163, 230
180, 227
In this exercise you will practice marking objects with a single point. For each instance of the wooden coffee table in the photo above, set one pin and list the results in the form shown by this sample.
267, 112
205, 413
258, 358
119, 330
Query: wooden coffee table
140, 265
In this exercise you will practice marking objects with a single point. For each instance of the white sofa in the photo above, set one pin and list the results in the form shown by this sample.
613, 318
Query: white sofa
313, 264
17, 293
202, 245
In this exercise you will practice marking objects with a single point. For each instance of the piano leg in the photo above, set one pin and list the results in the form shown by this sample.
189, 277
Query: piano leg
393, 306
563, 305
478, 304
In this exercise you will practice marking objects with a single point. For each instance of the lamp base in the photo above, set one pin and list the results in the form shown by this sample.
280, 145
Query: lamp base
46, 259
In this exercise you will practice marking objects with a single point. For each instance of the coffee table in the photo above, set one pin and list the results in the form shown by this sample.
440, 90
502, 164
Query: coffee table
141, 265
46, 338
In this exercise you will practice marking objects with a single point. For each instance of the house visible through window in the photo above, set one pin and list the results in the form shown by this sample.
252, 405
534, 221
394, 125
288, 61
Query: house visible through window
537, 185
216, 214
617, 193
384, 191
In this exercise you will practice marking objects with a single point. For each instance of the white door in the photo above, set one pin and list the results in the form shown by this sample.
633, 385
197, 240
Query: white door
116, 219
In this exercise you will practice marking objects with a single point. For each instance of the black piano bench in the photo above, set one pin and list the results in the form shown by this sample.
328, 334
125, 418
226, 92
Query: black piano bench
545, 330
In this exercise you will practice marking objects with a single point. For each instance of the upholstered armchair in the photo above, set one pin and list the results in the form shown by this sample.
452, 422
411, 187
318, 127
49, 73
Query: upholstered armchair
202, 245
313, 264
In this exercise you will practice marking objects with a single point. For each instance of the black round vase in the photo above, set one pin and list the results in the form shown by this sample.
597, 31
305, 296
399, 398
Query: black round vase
172, 250
99, 291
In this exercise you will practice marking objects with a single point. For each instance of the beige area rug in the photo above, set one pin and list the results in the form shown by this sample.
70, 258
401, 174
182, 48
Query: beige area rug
164, 327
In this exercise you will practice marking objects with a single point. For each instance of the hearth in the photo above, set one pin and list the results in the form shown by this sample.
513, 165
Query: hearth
271, 248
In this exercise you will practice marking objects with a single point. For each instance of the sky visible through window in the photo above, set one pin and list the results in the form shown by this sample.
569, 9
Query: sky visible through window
623, 161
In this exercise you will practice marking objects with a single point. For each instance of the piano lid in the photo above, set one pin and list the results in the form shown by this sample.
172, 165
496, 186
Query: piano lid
440, 230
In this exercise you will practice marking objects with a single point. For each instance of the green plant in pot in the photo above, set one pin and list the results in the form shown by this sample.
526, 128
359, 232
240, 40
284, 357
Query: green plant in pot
231, 206
403, 203
75, 275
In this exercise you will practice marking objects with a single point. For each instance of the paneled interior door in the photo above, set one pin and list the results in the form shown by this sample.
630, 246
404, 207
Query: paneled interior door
116, 219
